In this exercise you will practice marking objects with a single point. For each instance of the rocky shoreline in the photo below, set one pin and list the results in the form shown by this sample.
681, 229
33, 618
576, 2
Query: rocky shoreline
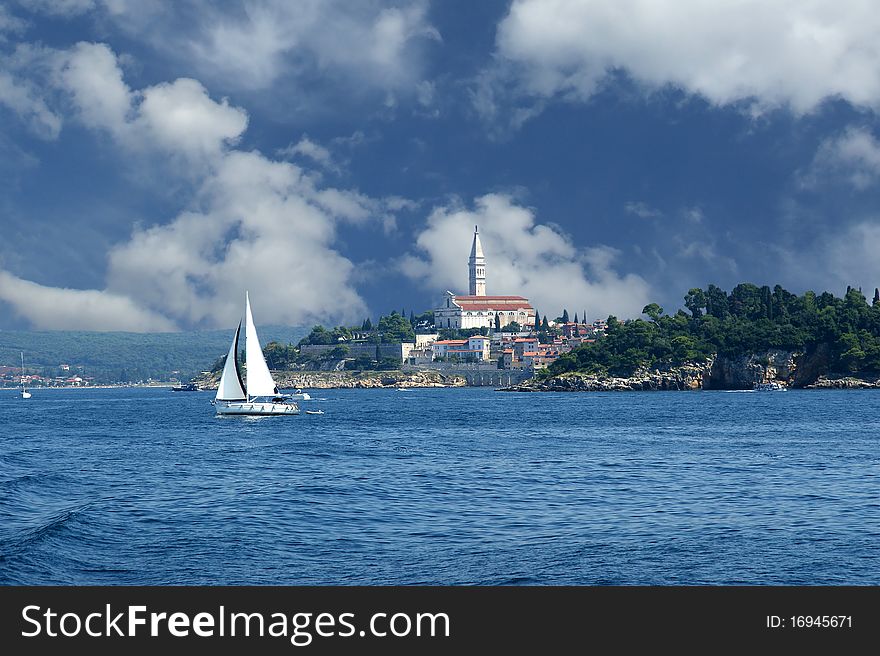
351, 380
845, 382
791, 370
689, 377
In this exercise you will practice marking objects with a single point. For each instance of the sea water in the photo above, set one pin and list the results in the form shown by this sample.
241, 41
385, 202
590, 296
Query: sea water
442, 486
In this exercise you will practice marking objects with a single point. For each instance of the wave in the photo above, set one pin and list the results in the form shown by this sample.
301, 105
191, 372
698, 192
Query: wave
51, 526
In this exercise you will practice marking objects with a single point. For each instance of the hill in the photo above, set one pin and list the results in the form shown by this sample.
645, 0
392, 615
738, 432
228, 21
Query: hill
111, 357
829, 335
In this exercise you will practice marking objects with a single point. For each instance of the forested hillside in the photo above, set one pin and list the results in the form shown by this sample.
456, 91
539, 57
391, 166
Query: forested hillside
748, 320
125, 357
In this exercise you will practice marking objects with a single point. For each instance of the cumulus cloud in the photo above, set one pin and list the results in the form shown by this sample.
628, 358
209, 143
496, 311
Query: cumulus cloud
523, 257
264, 227
93, 77
77, 309
181, 116
853, 156
784, 53
252, 223
177, 117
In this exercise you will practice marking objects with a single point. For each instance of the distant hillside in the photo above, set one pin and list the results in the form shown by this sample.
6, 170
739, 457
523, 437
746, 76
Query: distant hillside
126, 357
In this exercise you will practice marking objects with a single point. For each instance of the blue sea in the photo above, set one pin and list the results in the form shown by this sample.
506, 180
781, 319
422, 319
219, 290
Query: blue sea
442, 486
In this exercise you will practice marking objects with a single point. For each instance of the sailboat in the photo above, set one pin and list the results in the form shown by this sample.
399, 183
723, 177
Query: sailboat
259, 396
24, 391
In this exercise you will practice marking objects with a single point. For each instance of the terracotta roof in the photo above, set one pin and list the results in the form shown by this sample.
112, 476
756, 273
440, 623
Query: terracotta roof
498, 306
491, 298
457, 342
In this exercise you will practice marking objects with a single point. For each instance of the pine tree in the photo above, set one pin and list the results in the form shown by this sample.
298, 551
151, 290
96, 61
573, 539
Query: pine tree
576, 318
876, 296
585, 317
545, 326
537, 321
564, 316
498, 322
412, 319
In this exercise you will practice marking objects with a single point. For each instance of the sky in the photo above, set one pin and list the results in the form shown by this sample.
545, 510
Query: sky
157, 159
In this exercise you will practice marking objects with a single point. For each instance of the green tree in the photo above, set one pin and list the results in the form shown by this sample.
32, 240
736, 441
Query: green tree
545, 325
395, 328
564, 316
695, 301
537, 321
498, 322
367, 325
512, 327
653, 311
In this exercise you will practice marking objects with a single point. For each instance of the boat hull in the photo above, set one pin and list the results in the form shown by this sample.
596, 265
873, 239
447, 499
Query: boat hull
256, 408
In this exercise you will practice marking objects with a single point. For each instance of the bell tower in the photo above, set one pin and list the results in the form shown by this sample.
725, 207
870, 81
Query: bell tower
477, 267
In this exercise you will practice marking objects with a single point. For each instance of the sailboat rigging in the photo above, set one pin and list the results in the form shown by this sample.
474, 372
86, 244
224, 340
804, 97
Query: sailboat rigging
259, 395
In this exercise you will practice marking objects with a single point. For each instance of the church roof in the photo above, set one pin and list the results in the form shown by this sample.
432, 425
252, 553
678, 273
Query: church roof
497, 303
491, 298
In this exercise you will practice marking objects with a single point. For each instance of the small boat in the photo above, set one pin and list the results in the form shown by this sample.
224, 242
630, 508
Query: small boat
298, 395
314, 412
260, 395
185, 387
24, 390
772, 386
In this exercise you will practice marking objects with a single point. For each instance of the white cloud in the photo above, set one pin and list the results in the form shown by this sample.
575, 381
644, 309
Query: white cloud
177, 117
23, 98
366, 41
853, 156
851, 257
181, 116
77, 309
264, 227
92, 75
252, 223
522, 257
10, 23
792, 53
305, 147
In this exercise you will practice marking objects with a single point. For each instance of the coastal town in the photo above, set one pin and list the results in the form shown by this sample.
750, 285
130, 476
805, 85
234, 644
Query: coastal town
475, 331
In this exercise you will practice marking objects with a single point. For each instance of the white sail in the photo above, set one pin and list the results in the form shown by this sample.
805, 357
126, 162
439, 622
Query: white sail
259, 380
230, 388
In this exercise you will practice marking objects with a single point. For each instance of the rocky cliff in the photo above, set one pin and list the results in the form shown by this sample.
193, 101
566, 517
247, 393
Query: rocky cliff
799, 370
745, 371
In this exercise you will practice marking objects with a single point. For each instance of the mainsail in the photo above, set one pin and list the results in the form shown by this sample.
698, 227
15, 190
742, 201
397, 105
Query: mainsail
259, 380
230, 388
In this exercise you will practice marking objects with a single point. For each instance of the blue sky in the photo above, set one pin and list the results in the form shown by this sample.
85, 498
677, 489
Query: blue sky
157, 159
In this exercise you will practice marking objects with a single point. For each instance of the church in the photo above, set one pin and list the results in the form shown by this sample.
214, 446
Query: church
477, 310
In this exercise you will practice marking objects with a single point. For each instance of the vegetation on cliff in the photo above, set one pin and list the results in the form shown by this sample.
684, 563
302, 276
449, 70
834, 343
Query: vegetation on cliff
748, 320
